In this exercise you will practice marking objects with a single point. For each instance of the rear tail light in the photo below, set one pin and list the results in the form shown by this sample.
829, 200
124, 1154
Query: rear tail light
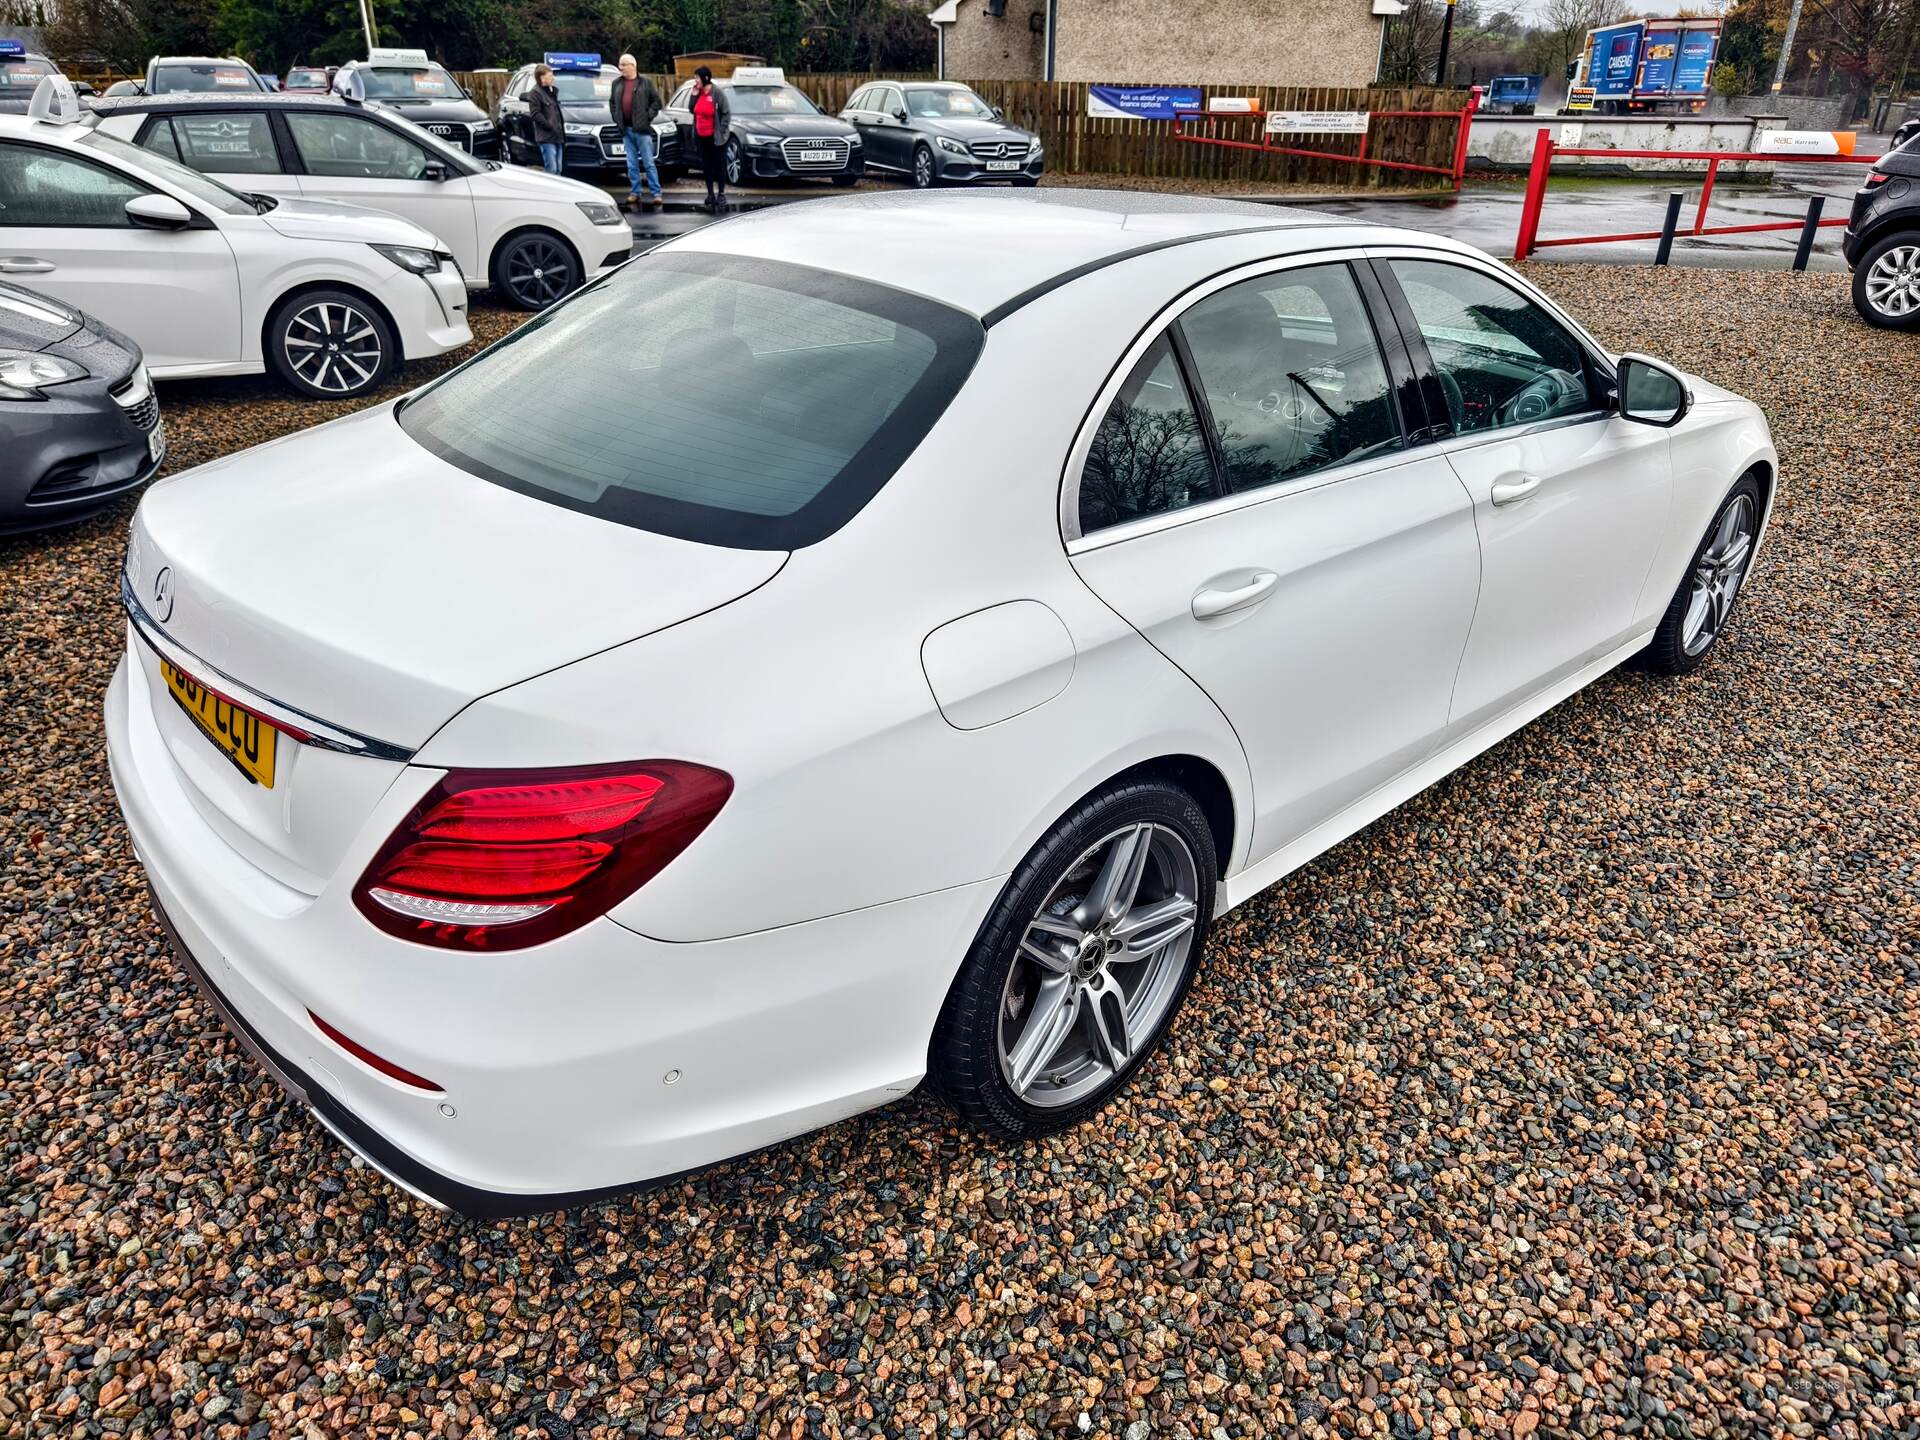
1877, 177
501, 859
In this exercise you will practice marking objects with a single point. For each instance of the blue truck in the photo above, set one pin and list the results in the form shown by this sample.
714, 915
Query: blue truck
1645, 67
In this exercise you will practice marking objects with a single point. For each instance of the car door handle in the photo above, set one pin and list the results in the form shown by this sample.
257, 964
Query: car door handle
1507, 492
26, 265
1210, 602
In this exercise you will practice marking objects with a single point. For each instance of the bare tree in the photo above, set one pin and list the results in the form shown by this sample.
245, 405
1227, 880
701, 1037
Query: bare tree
1563, 27
1412, 44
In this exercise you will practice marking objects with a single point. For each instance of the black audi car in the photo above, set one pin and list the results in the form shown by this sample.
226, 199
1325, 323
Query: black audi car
20, 75
1882, 240
941, 134
79, 423
776, 131
412, 85
585, 87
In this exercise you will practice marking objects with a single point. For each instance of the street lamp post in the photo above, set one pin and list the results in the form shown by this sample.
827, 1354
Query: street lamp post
1786, 48
1446, 43
366, 22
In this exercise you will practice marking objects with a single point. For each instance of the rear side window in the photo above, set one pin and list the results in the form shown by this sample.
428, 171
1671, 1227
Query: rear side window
226, 142
1150, 453
746, 403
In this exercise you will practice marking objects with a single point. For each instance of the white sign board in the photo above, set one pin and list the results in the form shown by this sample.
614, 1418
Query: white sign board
1232, 104
1798, 142
759, 75
398, 59
1317, 122
1569, 137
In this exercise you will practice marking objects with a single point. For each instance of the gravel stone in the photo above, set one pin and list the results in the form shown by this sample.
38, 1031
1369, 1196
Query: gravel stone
1575, 1098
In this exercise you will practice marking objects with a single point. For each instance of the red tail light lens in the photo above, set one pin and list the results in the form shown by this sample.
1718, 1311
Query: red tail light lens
502, 859
1877, 177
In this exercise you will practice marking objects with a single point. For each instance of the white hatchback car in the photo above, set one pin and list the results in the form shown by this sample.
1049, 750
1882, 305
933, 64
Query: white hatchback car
533, 237
768, 680
211, 282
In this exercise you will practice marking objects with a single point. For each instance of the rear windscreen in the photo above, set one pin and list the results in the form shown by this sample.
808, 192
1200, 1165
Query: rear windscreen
739, 402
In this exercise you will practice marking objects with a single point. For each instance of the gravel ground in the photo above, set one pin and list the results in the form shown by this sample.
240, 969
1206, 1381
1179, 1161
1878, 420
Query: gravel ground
1577, 1097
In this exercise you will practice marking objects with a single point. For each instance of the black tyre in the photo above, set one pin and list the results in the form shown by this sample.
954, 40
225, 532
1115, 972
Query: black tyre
1886, 282
1697, 615
535, 269
330, 344
925, 176
736, 165
1082, 963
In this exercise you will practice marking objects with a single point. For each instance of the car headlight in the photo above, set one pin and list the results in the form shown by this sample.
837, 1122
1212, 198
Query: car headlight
23, 374
588, 130
598, 212
952, 147
1033, 147
411, 257
763, 139
483, 127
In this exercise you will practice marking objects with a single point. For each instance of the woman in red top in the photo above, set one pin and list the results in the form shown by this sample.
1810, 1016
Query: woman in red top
712, 120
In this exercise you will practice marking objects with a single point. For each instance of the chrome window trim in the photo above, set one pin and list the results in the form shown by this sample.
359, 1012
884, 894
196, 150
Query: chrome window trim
321, 733
1179, 305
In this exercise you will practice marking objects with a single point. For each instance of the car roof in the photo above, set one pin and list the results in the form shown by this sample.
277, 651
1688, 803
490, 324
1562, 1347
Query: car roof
196, 60
220, 100
981, 249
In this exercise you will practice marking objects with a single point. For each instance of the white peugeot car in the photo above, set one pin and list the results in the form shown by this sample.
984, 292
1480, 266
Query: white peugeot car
816, 659
534, 237
207, 280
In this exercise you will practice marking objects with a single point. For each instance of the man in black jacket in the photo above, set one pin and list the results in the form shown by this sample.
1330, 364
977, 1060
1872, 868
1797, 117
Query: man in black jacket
549, 123
634, 104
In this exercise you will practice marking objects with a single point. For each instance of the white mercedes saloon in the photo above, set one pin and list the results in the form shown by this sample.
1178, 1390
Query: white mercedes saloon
866, 642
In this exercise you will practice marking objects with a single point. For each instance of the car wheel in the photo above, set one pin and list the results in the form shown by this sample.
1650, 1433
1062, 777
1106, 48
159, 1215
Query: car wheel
1697, 615
1886, 283
1082, 963
736, 166
924, 177
330, 345
534, 270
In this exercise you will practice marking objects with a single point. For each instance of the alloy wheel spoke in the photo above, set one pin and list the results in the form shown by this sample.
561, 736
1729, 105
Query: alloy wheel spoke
1112, 1037
1111, 894
1048, 959
1150, 928
1055, 1009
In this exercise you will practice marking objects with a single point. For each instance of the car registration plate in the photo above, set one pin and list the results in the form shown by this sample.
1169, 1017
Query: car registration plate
157, 440
1003, 164
817, 157
243, 738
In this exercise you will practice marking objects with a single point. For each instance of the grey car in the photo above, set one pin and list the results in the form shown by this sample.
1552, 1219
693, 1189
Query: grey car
941, 133
79, 422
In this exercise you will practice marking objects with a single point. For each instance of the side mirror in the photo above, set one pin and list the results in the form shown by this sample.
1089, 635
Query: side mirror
998, 113
1652, 393
158, 212
436, 170
81, 87
900, 115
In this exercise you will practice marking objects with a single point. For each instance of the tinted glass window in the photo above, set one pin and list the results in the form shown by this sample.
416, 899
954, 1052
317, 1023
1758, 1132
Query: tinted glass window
45, 187
1150, 455
1502, 359
307, 76
859, 100
769, 100
224, 141
204, 188
433, 84
159, 139
350, 145
730, 401
1292, 375
195, 79
939, 104
576, 85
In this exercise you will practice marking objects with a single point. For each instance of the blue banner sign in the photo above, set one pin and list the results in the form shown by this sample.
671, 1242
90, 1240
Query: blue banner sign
559, 60
1140, 102
12, 49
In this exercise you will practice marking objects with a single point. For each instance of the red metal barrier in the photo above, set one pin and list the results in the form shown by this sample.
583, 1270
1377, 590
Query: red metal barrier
1265, 146
1544, 150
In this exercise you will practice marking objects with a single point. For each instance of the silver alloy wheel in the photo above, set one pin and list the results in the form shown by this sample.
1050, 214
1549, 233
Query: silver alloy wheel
1893, 283
1099, 965
923, 168
1717, 575
333, 347
538, 272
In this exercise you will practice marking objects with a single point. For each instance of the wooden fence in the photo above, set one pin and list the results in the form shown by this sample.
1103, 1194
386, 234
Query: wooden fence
1079, 144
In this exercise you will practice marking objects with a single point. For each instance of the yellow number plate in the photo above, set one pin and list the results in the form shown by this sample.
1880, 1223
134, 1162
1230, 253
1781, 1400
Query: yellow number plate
244, 739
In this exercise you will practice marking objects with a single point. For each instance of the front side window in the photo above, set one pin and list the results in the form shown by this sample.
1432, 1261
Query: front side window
946, 104
44, 187
353, 146
1502, 360
221, 141
1292, 374
729, 401
1150, 454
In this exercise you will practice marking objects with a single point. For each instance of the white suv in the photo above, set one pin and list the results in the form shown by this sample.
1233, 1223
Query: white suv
534, 237
212, 282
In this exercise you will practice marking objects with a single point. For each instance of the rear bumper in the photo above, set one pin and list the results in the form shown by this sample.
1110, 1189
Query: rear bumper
598, 1063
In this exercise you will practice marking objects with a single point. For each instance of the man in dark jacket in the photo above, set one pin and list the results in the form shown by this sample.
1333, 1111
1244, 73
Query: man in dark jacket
634, 104
549, 123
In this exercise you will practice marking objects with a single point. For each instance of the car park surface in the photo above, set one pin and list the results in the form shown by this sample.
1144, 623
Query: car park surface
986, 699
1514, 1105
532, 236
